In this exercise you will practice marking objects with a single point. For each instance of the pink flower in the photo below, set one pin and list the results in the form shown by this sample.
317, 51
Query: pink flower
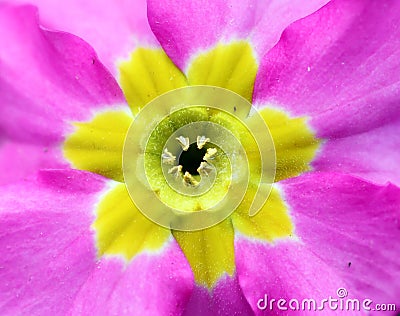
326, 79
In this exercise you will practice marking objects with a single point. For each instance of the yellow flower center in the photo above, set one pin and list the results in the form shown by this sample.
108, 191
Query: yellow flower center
97, 146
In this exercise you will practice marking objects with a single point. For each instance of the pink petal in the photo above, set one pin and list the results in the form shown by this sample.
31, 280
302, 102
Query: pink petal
283, 271
372, 155
151, 285
341, 67
49, 265
47, 246
185, 28
348, 232
17, 160
47, 79
114, 28
225, 299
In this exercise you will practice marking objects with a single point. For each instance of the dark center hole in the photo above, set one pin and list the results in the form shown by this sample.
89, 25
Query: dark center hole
190, 160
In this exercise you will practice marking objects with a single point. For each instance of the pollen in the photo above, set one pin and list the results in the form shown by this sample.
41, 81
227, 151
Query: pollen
210, 154
175, 171
205, 169
167, 157
184, 142
189, 181
201, 141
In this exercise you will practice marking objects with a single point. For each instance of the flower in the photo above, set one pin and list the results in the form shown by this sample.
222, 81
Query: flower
323, 76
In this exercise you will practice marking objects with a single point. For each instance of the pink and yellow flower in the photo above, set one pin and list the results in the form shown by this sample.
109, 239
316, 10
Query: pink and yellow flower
324, 75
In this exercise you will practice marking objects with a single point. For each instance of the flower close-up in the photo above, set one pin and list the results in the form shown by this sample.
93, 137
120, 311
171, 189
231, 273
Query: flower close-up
174, 157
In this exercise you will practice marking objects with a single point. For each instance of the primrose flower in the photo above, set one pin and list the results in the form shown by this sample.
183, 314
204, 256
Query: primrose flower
86, 133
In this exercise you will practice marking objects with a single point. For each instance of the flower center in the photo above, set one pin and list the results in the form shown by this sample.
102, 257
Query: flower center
122, 222
197, 149
194, 161
191, 159
198, 168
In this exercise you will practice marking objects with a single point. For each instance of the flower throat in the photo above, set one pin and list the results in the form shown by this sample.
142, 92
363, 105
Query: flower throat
191, 159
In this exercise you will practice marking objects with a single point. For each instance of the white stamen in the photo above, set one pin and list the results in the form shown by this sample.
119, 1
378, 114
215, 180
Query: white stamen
167, 157
184, 142
201, 141
175, 171
189, 181
210, 154
204, 168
